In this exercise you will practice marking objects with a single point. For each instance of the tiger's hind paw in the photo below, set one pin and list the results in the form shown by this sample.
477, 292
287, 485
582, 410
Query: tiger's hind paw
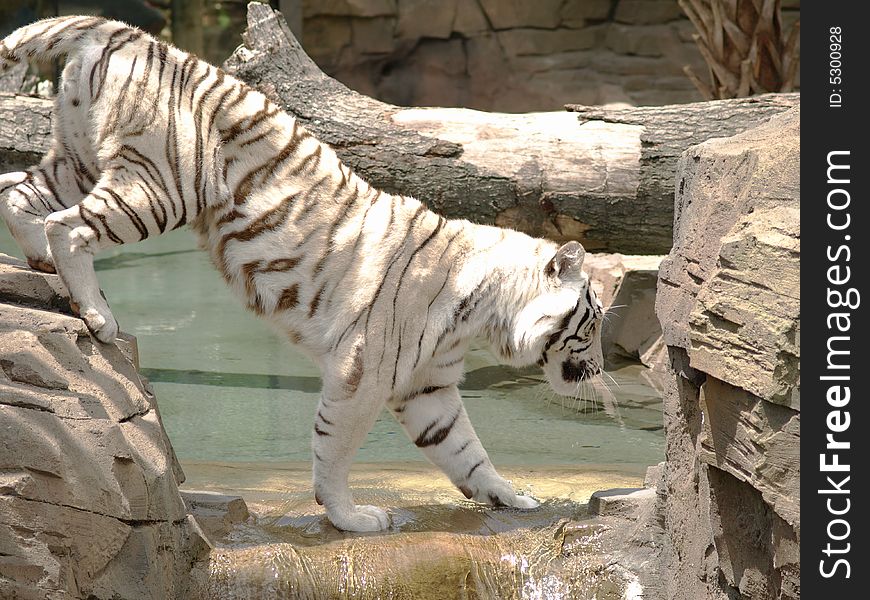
103, 327
360, 518
45, 265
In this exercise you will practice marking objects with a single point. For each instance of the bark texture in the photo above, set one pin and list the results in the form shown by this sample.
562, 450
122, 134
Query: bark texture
605, 178
601, 176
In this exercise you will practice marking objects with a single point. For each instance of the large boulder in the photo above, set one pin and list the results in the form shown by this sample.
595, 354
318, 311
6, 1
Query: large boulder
729, 303
626, 286
89, 500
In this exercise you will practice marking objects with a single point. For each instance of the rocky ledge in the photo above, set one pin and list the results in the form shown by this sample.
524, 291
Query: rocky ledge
729, 303
89, 500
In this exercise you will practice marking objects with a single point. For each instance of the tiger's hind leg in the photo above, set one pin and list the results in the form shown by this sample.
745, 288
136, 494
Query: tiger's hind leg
349, 406
28, 197
435, 419
121, 208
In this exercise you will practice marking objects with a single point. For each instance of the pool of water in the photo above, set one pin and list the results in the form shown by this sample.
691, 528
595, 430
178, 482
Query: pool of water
231, 390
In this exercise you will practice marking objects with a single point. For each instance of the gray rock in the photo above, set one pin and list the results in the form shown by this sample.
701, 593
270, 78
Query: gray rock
647, 11
523, 41
757, 442
216, 513
737, 249
469, 20
632, 329
348, 8
729, 303
619, 501
506, 14
575, 13
626, 286
373, 35
426, 18
89, 501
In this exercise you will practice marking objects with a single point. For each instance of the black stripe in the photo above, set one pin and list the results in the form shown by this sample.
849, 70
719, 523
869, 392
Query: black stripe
452, 363
315, 302
102, 219
106, 57
154, 174
198, 183
431, 389
152, 200
50, 185
172, 152
437, 436
368, 310
398, 354
130, 212
114, 116
474, 468
435, 297
554, 337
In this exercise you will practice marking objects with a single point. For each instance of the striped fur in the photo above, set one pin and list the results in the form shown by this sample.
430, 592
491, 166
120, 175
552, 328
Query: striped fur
384, 294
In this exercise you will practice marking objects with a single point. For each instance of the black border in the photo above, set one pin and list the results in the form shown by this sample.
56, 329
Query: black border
826, 129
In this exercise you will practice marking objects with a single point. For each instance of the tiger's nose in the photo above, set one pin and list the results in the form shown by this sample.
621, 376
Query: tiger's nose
578, 371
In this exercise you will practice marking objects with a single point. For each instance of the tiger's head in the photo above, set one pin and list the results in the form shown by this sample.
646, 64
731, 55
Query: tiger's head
560, 328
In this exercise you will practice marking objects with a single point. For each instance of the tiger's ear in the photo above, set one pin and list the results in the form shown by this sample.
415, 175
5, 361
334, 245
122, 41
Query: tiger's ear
567, 262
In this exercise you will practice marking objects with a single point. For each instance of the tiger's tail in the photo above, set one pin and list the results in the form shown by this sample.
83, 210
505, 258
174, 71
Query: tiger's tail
52, 38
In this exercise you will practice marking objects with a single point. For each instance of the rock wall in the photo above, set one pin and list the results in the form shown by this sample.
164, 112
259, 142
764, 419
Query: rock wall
626, 286
507, 55
89, 500
729, 304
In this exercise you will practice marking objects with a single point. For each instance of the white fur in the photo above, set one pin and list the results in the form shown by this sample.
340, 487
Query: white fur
382, 293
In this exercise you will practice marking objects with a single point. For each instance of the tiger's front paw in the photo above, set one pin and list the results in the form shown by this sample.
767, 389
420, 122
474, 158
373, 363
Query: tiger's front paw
499, 492
360, 518
524, 502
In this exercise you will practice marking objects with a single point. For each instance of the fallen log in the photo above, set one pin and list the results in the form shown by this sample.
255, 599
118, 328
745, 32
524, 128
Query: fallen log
599, 175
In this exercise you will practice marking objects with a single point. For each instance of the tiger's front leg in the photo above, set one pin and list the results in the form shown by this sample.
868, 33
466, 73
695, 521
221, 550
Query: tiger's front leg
434, 418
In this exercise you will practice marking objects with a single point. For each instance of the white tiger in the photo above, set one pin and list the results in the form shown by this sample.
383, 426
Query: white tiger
383, 294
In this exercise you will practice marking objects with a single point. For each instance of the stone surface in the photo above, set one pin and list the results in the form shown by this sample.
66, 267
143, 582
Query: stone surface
632, 329
729, 303
626, 286
537, 55
729, 292
426, 18
647, 11
506, 14
353, 8
755, 441
88, 478
438, 544
373, 35
619, 501
216, 513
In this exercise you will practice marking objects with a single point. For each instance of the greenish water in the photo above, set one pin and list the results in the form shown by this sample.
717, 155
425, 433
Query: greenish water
232, 390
